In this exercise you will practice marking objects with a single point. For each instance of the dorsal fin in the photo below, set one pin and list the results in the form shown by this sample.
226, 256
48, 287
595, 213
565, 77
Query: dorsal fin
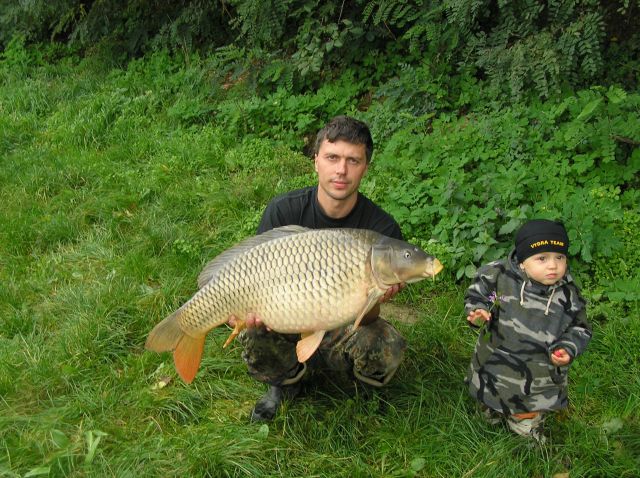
221, 259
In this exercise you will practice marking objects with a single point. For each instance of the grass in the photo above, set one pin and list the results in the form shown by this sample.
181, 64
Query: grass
110, 207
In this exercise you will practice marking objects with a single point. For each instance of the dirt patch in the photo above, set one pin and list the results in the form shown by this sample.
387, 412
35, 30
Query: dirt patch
402, 313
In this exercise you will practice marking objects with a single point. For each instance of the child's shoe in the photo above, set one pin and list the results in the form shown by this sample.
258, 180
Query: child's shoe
528, 425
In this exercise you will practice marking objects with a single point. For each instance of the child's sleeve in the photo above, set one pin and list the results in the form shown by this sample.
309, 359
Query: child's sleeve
484, 284
577, 336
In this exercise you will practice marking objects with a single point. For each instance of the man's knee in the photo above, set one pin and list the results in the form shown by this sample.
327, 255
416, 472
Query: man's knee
270, 357
376, 351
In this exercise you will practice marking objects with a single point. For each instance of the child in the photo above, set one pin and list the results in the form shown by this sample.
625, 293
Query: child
534, 327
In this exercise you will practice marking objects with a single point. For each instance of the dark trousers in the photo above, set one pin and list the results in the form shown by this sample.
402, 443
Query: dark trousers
371, 354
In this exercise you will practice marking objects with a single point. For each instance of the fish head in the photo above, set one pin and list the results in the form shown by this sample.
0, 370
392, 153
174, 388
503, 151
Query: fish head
394, 261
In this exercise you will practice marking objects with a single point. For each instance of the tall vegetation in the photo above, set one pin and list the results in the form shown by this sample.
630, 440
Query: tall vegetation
518, 46
463, 162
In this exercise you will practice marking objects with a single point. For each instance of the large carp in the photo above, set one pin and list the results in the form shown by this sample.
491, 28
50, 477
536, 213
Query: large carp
297, 280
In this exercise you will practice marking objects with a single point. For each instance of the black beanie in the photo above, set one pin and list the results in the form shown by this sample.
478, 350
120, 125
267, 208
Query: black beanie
541, 235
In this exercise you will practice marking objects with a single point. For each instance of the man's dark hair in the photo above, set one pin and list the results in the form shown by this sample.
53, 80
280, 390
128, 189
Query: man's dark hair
346, 129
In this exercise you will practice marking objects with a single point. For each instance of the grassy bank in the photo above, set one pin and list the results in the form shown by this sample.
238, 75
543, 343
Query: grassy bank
109, 208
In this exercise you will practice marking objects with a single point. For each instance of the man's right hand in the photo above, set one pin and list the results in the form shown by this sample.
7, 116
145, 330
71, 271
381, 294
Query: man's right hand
252, 320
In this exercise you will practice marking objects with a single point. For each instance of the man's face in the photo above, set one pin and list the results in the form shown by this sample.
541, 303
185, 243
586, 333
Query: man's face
340, 167
546, 267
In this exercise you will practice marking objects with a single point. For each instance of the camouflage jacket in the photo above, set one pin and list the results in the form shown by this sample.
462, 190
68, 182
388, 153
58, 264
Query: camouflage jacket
511, 369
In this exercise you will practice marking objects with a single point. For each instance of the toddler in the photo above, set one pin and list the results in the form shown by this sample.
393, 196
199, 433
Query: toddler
534, 325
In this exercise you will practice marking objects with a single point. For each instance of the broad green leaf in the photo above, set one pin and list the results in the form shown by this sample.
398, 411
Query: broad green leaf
470, 271
510, 226
59, 438
92, 438
479, 251
588, 110
616, 95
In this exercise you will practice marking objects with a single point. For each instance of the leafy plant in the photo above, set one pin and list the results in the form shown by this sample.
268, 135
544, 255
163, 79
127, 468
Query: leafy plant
470, 182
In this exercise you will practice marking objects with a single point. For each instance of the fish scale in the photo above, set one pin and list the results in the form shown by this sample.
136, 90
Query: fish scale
290, 264
297, 280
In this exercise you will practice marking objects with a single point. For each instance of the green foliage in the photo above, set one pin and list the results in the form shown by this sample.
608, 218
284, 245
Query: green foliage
317, 44
391, 13
123, 30
283, 116
613, 286
532, 45
262, 23
521, 48
15, 56
472, 181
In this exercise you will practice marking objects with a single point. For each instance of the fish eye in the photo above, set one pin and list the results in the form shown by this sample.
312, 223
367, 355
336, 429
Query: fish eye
407, 254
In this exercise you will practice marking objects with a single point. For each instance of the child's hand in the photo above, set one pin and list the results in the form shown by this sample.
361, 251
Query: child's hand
478, 317
560, 357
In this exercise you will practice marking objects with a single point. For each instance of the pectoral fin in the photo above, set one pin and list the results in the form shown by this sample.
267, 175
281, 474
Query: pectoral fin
239, 327
308, 344
374, 295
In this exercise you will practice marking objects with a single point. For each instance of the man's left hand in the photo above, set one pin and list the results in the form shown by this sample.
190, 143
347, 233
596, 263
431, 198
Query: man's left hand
373, 314
392, 291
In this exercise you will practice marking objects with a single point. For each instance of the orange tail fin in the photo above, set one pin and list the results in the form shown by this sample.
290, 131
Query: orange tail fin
187, 350
166, 335
187, 356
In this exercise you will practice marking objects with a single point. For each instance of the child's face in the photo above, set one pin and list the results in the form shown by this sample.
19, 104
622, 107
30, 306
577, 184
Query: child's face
546, 267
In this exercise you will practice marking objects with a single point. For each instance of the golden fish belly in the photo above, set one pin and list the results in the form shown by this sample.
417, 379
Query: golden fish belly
299, 283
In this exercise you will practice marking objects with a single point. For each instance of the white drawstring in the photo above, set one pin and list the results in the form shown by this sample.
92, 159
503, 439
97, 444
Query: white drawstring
546, 311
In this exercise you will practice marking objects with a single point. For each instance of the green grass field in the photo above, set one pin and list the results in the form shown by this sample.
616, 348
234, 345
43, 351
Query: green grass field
109, 207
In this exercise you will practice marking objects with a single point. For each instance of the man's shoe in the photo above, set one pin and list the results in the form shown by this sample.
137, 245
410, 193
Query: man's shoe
265, 408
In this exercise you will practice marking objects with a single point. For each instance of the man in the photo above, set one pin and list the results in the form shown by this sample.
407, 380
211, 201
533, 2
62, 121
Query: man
372, 353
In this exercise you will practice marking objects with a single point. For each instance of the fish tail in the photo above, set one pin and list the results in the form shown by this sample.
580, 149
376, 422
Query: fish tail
187, 350
187, 357
166, 335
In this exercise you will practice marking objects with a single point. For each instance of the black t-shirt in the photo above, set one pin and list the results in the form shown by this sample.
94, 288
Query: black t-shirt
301, 208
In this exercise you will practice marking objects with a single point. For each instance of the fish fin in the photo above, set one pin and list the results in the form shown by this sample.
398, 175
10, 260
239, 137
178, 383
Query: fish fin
211, 268
239, 327
187, 350
187, 356
308, 344
372, 300
166, 335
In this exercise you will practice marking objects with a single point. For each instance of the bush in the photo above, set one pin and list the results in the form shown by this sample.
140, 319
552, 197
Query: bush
472, 181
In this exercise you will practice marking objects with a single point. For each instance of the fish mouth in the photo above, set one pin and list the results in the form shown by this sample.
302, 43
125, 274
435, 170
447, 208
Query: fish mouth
433, 268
